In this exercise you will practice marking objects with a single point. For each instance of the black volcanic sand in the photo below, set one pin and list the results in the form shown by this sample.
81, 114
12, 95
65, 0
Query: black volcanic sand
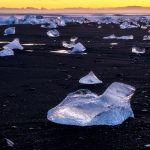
31, 83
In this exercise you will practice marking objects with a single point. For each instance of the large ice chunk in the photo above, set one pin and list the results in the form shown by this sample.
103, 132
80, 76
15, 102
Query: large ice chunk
90, 79
78, 48
10, 30
84, 108
53, 33
6, 52
15, 44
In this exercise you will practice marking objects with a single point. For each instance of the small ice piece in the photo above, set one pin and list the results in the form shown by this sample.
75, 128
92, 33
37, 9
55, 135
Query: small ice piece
73, 39
138, 50
67, 45
15, 44
78, 48
99, 27
6, 52
110, 37
146, 38
10, 30
129, 37
84, 108
144, 27
9, 143
147, 145
90, 79
53, 33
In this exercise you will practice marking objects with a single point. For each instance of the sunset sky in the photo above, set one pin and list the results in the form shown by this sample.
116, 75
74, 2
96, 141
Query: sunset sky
53, 4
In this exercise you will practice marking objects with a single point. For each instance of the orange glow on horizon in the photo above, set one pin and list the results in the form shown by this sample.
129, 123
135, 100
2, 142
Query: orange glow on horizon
54, 4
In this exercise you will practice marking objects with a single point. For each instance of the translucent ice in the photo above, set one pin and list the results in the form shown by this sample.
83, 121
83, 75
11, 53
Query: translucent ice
6, 52
127, 25
84, 108
71, 44
138, 50
129, 37
67, 45
53, 33
10, 30
73, 39
90, 79
110, 37
146, 38
15, 44
78, 48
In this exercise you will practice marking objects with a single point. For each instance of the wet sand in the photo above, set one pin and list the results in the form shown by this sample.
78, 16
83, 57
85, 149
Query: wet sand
31, 83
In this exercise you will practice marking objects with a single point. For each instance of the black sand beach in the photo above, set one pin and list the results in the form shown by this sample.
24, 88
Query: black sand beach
31, 83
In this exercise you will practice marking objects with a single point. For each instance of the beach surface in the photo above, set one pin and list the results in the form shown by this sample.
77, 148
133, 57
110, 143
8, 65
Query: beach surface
35, 80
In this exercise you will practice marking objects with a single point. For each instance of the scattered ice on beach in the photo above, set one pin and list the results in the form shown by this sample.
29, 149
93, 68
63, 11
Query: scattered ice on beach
10, 30
129, 37
84, 108
138, 50
53, 33
127, 25
60, 21
6, 52
146, 37
90, 79
15, 44
12, 20
78, 48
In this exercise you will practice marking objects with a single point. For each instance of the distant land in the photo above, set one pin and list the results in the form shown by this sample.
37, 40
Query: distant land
118, 10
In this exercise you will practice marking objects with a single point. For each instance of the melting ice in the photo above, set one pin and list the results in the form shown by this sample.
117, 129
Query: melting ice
10, 30
138, 50
15, 44
90, 79
84, 108
53, 33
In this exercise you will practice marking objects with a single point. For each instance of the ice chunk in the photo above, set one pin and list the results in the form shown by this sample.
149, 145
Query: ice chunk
147, 145
53, 33
61, 21
110, 37
78, 48
127, 25
144, 27
10, 30
71, 44
129, 37
84, 108
67, 45
6, 144
146, 37
6, 52
138, 50
90, 79
73, 39
15, 44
